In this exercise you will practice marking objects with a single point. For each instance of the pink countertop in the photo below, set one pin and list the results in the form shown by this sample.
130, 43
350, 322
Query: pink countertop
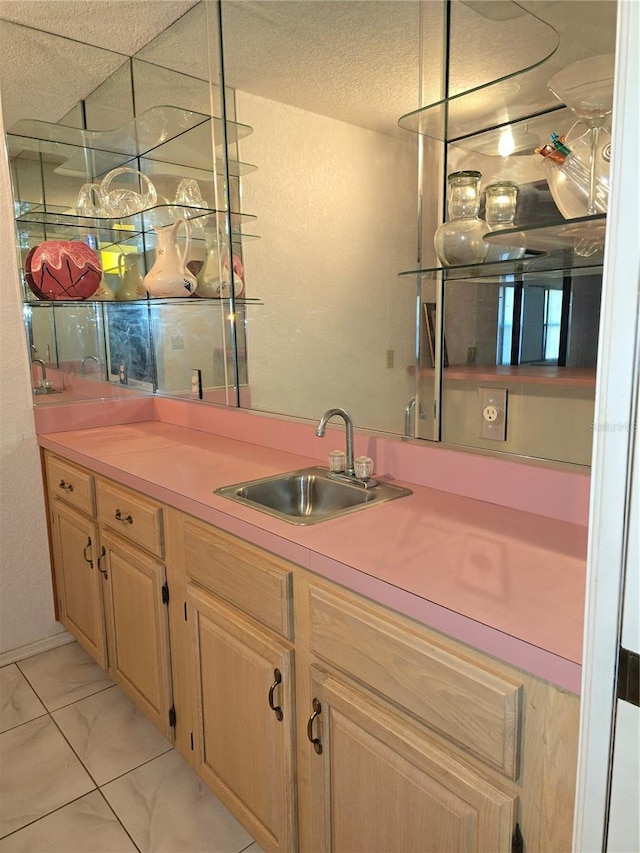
508, 582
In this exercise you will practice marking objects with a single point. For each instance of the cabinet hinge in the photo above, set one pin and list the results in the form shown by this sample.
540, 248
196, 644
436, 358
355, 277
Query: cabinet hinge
165, 593
191, 741
172, 716
517, 841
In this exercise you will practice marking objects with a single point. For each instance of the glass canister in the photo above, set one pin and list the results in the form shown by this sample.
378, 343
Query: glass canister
500, 210
460, 239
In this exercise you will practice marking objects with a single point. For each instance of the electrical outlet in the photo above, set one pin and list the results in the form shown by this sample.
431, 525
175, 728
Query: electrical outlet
196, 384
177, 341
492, 412
122, 373
471, 355
390, 357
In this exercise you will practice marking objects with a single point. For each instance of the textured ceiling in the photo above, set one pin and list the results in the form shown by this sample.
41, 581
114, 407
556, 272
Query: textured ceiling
354, 60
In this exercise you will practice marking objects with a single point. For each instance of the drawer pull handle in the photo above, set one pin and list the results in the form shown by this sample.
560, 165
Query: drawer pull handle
103, 553
317, 743
277, 710
127, 519
68, 487
86, 547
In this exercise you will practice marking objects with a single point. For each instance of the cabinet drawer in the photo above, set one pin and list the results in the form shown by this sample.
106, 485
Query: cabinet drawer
133, 516
455, 696
71, 484
251, 579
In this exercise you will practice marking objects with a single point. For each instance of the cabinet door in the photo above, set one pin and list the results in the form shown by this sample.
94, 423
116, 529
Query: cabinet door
244, 734
379, 785
75, 539
138, 623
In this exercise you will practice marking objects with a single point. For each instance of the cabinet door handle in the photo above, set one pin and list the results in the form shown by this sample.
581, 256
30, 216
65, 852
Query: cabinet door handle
317, 743
103, 572
277, 710
67, 487
87, 546
127, 519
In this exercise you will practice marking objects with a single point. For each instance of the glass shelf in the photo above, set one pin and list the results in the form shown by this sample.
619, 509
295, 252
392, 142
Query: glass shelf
580, 234
117, 231
150, 300
156, 132
519, 96
549, 247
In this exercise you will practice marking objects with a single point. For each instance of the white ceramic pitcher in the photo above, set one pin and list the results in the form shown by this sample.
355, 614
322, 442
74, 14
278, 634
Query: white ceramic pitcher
169, 275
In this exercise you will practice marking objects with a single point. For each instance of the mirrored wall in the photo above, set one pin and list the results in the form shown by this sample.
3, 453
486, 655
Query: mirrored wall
321, 181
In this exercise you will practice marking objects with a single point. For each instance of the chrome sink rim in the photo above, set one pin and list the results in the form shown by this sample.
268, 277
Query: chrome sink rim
382, 493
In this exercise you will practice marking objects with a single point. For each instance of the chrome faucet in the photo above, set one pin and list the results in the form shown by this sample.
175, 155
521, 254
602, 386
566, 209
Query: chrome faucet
86, 359
322, 424
408, 416
40, 361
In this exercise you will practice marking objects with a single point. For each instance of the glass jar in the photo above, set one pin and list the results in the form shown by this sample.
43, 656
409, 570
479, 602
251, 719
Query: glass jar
500, 210
460, 239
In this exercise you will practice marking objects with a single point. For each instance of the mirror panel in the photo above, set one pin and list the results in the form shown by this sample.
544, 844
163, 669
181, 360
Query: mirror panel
336, 197
323, 200
534, 337
127, 115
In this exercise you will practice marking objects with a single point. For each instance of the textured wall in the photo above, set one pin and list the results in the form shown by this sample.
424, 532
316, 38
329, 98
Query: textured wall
26, 602
336, 207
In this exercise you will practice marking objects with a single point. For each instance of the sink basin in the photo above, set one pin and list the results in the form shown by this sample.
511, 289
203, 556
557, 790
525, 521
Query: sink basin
309, 495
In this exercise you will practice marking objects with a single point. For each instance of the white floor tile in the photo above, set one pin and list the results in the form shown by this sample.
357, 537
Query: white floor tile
85, 826
166, 808
38, 773
64, 675
109, 734
18, 702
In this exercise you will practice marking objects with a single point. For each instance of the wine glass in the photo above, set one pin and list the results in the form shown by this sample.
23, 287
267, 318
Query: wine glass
586, 87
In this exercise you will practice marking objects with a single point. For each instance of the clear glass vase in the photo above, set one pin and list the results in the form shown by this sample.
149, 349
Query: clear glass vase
460, 240
500, 210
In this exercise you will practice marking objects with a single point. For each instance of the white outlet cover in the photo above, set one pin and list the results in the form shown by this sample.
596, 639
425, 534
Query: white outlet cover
492, 414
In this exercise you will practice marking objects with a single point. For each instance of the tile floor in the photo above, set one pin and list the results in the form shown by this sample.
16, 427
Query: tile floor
82, 771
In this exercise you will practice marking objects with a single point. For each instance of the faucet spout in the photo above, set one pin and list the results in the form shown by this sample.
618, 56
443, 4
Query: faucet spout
86, 359
40, 361
348, 422
408, 416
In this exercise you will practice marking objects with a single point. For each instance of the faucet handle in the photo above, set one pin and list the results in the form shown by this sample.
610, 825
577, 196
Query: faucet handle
363, 467
337, 461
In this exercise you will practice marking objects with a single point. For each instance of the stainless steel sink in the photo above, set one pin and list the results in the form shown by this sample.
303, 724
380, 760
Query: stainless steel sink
309, 495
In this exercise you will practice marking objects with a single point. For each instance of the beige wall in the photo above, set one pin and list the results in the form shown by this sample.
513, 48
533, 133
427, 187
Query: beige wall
26, 602
336, 208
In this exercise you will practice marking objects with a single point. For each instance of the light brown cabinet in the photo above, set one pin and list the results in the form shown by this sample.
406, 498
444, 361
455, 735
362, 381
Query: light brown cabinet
378, 784
138, 632
74, 538
324, 721
245, 718
238, 606
111, 592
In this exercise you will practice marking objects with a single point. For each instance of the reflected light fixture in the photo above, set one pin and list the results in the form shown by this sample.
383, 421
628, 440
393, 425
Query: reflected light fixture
506, 144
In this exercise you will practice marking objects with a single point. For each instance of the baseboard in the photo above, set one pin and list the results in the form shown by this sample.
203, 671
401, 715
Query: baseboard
36, 648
